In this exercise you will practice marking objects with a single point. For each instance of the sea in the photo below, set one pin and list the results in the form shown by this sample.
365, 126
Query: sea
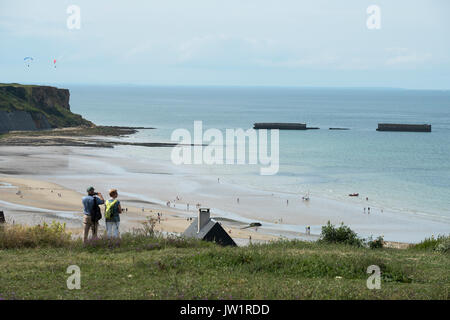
399, 171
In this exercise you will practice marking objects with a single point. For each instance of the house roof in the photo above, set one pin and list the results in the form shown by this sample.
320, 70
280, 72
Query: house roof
212, 231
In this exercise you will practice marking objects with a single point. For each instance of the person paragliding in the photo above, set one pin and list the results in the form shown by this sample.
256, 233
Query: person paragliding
28, 61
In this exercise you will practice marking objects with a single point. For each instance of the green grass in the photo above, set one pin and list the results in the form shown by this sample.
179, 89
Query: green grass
441, 243
21, 99
145, 266
18, 85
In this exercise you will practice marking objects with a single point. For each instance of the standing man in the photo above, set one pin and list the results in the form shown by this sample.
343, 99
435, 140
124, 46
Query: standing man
88, 204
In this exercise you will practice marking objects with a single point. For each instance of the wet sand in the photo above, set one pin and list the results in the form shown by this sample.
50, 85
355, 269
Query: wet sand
150, 184
31, 202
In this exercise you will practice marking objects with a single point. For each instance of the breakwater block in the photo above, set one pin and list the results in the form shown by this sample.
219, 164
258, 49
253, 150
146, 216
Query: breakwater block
280, 126
404, 127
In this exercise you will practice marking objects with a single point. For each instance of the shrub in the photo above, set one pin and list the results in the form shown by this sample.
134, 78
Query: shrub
342, 234
441, 244
444, 246
378, 243
147, 229
18, 236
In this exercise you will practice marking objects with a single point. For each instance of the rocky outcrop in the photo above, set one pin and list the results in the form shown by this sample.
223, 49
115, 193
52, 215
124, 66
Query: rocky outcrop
48, 97
16, 120
36, 107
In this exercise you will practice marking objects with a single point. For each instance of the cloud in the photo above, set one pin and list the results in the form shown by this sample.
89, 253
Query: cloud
224, 50
405, 56
232, 51
322, 60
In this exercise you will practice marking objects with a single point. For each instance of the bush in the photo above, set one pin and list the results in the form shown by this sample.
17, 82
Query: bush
444, 246
342, 234
55, 235
147, 228
440, 244
378, 243
18, 236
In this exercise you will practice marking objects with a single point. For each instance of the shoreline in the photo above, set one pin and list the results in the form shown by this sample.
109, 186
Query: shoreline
33, 207
73, 168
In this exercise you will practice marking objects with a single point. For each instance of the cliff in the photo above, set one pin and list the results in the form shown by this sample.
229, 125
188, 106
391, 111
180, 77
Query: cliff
31, 107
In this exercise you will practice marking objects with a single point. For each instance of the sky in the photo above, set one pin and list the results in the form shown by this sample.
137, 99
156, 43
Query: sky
228, 42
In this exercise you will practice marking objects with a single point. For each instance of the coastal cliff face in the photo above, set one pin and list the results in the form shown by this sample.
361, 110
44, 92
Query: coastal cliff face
36, 107
48, 97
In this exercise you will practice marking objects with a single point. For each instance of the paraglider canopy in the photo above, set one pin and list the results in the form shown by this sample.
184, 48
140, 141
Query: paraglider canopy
28, 61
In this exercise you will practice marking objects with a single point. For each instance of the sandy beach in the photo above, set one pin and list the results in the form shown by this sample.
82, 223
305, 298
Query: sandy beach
52, 180
29, 200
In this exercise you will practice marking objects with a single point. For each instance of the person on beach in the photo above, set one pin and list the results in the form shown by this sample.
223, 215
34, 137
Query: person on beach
88, 205
112, 214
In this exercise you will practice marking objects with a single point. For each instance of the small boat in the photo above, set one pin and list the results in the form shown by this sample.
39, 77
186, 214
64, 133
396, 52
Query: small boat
353, 195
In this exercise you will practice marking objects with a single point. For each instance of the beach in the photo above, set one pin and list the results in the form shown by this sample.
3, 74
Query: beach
53, 179
38, 195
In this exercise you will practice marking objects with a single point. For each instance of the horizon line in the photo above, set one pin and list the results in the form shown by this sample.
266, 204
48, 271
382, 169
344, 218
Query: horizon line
127, 84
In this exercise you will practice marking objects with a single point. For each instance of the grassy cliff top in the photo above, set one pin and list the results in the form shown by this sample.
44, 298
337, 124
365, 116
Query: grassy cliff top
145, 265
18, 85
51, 102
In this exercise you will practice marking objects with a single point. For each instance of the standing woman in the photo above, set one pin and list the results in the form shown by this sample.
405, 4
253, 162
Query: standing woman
112, 214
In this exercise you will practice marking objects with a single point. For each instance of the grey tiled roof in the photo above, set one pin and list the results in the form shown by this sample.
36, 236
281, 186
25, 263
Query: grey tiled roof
212, 231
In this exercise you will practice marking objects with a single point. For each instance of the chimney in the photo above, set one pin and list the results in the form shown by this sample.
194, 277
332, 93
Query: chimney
203, 218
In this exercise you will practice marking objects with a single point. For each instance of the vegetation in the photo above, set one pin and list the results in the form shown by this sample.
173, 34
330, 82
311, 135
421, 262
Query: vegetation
342, 234
18, 236
20, 97
145, 265
378, 243
440, 244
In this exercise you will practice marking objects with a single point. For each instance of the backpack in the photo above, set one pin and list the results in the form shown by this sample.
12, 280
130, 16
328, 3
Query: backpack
96, 214
109, 212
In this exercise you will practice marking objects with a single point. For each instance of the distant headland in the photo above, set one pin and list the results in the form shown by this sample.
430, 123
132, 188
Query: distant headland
32, 107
